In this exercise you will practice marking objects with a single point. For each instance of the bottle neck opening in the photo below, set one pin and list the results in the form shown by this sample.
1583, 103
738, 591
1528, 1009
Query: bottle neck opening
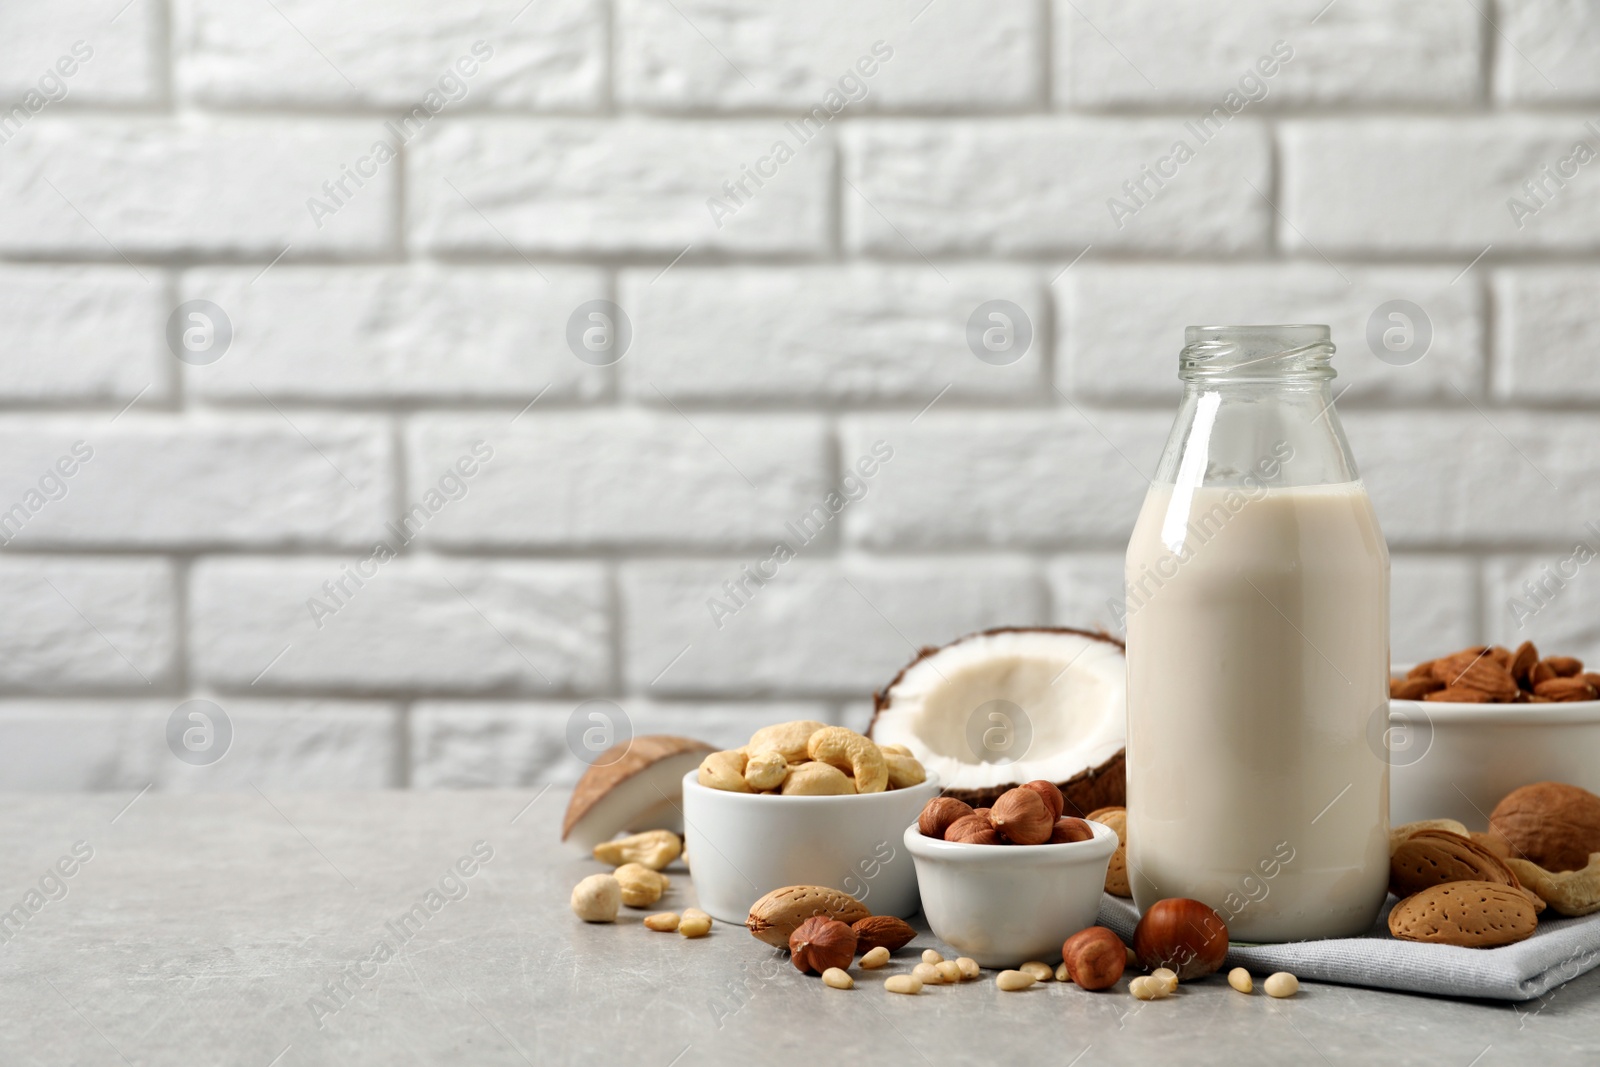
1228, 354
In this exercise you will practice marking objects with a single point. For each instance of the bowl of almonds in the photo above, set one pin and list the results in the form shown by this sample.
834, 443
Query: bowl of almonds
1466, 729
804, 803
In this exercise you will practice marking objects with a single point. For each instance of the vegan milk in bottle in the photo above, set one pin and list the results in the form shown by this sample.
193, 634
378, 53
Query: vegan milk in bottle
1257, 591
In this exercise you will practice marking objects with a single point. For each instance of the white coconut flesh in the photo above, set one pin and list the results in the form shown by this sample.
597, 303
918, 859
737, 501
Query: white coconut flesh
957, 708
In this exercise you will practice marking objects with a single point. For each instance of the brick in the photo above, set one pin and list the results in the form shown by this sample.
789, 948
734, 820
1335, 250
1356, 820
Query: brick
140, 187
880, 333
427, 332
620, 477
275, 744
1547, 335
201, 480
1477, 477
1432, 606
632, 185
386, 54
84, 334
424, 624
817, 628
1035, 186
502, 745
1547, 598
1146, 53
115, 61
791, 54
1120, 345
1086, 591
1547, 51
1039, 479
75, 625
1434, 185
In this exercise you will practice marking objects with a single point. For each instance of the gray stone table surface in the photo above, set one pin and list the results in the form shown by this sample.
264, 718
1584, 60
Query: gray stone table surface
213, 929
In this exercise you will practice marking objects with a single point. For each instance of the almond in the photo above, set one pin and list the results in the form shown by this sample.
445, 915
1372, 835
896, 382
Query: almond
1486, 676
883, 931
1522, 663
1460, 694
1414, 688
778, 914
1565, 666
1117, 872
1433, 857
1565, 689
1468, 914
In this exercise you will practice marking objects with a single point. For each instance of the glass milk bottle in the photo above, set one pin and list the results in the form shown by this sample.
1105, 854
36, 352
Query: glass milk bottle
1258, 650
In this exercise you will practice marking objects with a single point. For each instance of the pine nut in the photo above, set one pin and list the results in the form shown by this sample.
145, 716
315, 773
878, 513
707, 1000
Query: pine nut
968, 966
837, 979
1282, 984
1167, 977
903, 983
1012, 981
1061, 973
665, 922
1239, 978
1041, 971
931, 956
949, 973
694, 925
928, 974
875, 958
1147, 988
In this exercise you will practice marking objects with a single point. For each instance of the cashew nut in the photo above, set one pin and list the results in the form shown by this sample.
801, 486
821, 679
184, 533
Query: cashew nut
904, 770
817, 780
653, 848
724, 770
765, 770
641, 887
849, 751
788, 738
895, 750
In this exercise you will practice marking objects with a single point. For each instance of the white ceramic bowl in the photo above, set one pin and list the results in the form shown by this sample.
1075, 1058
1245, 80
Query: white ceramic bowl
1455, 761
742, 846
1007, 904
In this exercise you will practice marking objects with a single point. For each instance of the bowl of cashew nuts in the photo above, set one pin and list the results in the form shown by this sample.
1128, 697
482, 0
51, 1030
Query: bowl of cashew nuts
804, 803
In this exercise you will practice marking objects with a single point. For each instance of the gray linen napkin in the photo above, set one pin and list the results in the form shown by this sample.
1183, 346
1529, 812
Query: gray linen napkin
1559, 951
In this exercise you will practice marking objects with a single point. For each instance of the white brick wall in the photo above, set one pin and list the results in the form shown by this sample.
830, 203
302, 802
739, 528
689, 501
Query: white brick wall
406, 210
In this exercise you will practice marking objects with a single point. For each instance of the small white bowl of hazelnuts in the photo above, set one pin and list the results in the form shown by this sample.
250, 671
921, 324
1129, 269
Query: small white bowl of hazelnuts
1011, 882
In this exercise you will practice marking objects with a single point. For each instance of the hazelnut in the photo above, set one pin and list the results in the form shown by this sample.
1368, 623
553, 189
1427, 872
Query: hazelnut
820, 943
1069, 829
1094, 958
972, 830
1022, 818
1054, 802
1183, 934
939, 813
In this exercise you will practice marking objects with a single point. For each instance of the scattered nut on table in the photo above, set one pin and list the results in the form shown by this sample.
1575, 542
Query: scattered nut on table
1013, 981
597, 898
903, 983
875, 958
640, 886
695, 923
665, 922
1239, 978
837, 979
1283, 984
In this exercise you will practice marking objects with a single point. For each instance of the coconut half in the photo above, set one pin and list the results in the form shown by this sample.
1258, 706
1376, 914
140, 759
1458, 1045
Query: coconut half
640, 788
994, 709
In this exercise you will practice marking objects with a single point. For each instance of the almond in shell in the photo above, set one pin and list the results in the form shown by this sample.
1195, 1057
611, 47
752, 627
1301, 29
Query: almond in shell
1467, 914
778, 914
1433, 857
1117, 873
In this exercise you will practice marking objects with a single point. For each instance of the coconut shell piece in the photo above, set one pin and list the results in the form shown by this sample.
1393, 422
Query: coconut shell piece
641, 790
